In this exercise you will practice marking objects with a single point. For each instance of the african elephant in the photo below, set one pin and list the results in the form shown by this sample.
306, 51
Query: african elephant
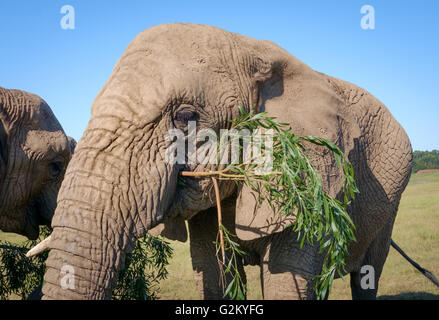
34, 153
119, 185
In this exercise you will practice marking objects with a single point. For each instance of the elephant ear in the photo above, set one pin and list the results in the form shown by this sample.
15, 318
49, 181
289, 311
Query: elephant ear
172, 229
309, 102
72, 144
256, 219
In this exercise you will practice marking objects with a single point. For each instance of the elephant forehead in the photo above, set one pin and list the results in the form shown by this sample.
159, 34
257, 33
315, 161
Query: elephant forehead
42, 117
180, 37
198, 47
27, 106
140, 88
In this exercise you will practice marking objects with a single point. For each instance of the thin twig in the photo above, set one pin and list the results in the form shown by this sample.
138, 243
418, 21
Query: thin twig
201, 174
222, 173
220, 219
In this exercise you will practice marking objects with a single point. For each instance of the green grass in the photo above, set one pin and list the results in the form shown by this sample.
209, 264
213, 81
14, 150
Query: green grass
416, 231
12, 237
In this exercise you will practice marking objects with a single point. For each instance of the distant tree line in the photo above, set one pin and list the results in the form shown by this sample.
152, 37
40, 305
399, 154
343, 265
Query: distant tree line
425, 160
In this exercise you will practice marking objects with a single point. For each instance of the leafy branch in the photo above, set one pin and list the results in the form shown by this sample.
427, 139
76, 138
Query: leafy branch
20, 275
292, 187
145, 266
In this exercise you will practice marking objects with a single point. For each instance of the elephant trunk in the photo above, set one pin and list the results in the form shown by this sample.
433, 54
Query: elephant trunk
103, 207
75, 276
87, 245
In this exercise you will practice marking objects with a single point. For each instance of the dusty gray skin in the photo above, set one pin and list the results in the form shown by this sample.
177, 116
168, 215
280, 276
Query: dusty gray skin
118, 186
34, 153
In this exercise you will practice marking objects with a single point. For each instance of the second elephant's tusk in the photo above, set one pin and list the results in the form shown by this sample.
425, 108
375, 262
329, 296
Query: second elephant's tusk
42, 246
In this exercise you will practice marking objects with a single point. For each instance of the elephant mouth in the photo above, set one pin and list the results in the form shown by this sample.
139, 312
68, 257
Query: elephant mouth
190, 194
194, 194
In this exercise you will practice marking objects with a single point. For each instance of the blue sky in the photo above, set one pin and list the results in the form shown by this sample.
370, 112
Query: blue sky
397, 61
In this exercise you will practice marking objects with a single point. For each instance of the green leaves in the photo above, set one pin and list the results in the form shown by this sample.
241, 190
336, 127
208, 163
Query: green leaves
236, 290
293, 187
20, 275
145, 266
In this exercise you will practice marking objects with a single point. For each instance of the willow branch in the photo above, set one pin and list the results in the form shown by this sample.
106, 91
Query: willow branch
220, 219
201, 174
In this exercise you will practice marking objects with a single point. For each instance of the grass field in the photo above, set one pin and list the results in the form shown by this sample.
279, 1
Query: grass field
416, 231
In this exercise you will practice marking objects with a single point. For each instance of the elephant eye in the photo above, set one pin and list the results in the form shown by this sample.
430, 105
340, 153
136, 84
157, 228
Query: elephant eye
55, 169
183, 116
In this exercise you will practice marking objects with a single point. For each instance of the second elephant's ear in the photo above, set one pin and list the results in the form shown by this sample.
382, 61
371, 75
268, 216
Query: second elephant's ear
72, 144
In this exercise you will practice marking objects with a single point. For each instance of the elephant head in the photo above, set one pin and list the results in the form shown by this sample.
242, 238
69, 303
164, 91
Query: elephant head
34, 152
119, 185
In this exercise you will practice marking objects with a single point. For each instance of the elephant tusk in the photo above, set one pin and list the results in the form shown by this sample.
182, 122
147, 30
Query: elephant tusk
42, 246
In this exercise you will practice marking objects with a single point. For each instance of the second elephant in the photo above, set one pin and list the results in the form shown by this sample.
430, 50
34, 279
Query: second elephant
34, 153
